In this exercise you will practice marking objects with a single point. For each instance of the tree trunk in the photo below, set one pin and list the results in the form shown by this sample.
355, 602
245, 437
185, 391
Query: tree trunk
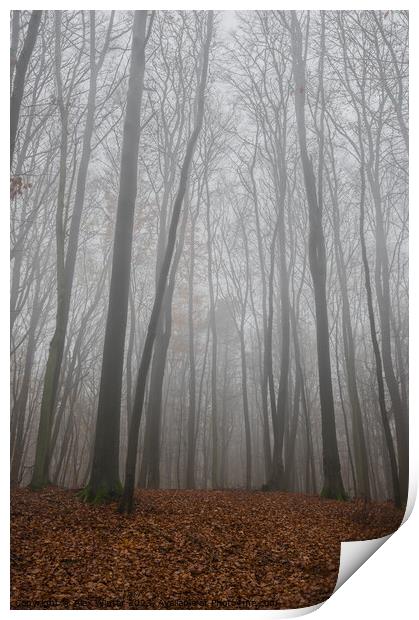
19, 81
190, 460
264, 369
56, 348
19, 409
104, 479
277, 478
151, 456
65, 261
246, 414
126, 503
213, 325
360, 449
378, 363
332, 483
382, 286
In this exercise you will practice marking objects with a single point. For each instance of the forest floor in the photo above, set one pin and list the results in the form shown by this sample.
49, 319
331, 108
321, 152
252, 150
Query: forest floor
183, 549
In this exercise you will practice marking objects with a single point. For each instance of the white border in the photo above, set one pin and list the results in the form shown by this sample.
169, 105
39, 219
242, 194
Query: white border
386, 585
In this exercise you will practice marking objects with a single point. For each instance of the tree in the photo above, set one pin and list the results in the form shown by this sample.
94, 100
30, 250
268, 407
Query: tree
104, 479
332, 483
370, 169
360, 449
66, 258
190, 467
171, 125
126, 503
240, 300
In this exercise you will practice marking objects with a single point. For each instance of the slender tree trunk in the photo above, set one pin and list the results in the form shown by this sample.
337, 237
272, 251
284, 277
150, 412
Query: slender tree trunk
264, 369
65, 261
151, 455
14, 44
213, 325
246, 413
222, 474
276, 462
20, 74
56, 349
398, 493
345, 422
190, 462
104, 479
289, 464
19, 409
360, 449
382, 285
126, 503
378, 363
277, 479
332, 483
130, 351
158, 368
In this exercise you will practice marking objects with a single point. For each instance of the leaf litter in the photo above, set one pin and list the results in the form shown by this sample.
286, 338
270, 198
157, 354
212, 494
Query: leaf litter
184, 549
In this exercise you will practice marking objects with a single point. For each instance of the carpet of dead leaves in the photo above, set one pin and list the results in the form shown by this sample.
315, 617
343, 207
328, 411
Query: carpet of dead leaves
183, 549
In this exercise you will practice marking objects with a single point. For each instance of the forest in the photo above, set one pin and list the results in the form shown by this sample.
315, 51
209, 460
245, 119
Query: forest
208, 303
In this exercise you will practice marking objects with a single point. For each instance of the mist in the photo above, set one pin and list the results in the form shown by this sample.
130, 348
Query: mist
265, 296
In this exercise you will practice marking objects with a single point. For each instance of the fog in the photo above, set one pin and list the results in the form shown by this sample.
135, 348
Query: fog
209, 268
